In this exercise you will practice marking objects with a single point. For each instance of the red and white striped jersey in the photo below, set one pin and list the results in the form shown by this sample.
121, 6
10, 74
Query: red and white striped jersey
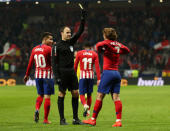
112, 51
41, 55
87, 59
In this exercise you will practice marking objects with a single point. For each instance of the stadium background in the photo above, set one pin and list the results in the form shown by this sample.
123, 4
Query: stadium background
142, 25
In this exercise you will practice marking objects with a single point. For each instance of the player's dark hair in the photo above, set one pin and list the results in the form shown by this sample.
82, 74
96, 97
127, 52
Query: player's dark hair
46, 35
87, 44
62, 28
110, 33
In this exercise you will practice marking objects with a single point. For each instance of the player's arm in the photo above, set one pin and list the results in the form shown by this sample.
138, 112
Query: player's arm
124, 49
97, 67
117, 48
76, 36
76, 62
101, 46
30, 64
55, 64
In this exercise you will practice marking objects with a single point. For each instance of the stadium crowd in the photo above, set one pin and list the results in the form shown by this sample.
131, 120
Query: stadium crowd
139, 29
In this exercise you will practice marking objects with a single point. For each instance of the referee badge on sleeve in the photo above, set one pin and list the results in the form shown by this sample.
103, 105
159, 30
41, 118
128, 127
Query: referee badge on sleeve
55, 51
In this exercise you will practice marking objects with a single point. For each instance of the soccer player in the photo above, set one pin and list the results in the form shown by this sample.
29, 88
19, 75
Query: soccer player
87, 58
41, 55
63, 69
110, 79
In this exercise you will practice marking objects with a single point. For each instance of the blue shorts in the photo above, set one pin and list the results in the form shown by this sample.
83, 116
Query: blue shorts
85, 86
45, 86
110, 82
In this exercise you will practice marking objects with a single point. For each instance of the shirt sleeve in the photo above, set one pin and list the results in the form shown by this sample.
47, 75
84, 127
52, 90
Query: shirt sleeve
100, 46
97, 67
76, 36
76, 62
30, 64
119, 49
103, 46
55, 64
124, 49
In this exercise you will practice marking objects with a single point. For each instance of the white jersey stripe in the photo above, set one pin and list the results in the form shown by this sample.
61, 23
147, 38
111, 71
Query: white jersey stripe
44, 74
51, 75
91, 76
36, 74
48, 75
83, 74
39, 73
87, 74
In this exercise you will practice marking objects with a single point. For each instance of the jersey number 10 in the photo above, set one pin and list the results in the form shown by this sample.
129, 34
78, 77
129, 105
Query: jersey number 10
40, 60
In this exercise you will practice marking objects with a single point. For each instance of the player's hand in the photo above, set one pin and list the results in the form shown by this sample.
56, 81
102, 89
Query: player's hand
98, 82
100, 48
83, 14
26, 78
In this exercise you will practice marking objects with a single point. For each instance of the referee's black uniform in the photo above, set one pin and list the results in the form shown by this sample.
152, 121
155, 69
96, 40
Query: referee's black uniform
63, 69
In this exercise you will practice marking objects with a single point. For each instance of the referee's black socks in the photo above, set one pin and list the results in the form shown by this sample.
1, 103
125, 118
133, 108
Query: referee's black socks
61, 107
75, 107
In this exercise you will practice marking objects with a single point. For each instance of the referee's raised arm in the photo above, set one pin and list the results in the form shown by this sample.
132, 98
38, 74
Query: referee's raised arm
76, 36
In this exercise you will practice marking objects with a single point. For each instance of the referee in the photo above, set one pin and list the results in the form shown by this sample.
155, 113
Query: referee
63, 69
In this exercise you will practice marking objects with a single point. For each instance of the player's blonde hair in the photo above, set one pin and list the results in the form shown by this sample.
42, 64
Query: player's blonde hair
110, 33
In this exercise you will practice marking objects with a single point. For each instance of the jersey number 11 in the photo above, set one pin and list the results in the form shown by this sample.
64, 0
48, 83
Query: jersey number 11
87, 61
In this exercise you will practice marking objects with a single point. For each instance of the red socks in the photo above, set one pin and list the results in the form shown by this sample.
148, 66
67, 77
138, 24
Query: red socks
83, 99
38, 102
118, 108
89, 100
47, 104
97, 108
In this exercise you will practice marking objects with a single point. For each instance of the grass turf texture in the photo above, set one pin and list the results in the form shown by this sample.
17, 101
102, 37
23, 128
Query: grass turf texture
144, 109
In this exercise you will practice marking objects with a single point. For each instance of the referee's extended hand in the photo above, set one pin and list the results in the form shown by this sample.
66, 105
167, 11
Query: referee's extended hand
83, 14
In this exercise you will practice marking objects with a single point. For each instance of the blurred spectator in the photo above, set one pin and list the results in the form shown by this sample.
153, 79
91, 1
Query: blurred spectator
139, 29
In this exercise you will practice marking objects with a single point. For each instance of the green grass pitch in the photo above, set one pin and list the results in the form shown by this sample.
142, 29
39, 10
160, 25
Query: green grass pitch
144, 109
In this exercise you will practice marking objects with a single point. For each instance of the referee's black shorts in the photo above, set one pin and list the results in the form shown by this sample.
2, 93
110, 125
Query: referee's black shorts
68, 80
